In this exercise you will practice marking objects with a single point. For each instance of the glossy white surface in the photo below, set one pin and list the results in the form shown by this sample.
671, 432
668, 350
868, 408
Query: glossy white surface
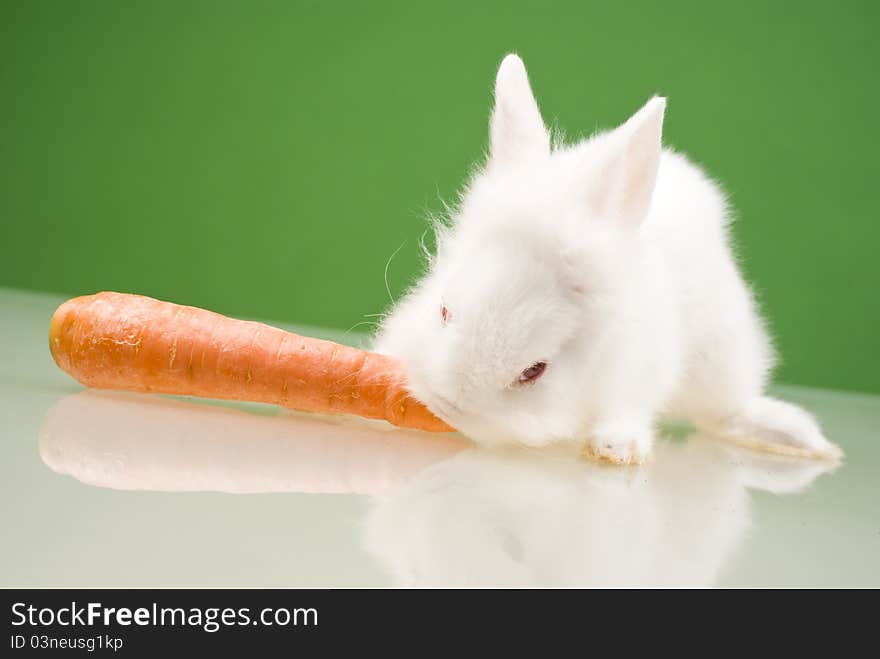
110, 489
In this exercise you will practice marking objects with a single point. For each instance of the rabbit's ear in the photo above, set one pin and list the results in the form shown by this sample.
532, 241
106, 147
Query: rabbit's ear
620, 183
516, 130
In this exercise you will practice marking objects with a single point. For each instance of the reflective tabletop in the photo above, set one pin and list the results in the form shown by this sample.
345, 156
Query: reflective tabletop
114, 489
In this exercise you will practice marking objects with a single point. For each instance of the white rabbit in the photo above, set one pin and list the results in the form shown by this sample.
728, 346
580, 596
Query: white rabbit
581, 292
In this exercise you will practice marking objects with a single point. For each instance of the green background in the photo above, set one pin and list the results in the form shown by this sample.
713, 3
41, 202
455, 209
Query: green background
266, 159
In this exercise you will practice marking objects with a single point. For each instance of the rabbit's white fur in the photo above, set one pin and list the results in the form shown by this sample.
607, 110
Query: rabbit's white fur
609, 260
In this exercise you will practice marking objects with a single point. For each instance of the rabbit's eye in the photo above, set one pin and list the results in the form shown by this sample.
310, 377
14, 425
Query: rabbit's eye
532, 373
444, 315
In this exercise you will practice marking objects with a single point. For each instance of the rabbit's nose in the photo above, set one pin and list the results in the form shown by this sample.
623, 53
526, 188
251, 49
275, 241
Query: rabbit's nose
446, 406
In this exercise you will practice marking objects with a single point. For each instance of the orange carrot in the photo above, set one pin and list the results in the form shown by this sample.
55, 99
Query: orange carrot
136, 343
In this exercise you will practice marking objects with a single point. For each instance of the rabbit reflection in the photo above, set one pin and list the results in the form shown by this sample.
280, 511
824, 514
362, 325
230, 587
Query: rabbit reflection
443, 514
530, 518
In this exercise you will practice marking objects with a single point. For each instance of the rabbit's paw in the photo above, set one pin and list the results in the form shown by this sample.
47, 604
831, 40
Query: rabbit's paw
620, 442
778, 427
